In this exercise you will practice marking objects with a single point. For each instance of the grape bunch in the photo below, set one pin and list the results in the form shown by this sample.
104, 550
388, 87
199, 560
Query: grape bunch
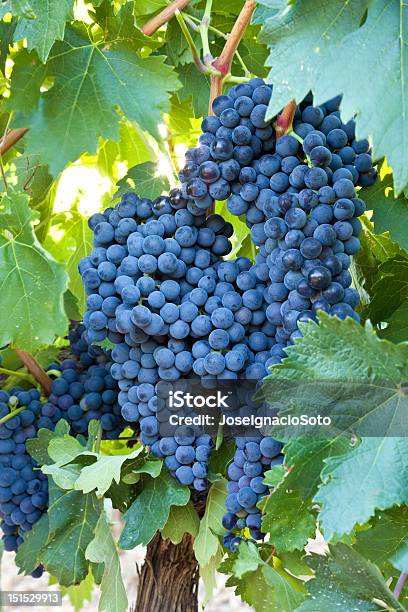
253, 456
23, 487
84, 389
299, 197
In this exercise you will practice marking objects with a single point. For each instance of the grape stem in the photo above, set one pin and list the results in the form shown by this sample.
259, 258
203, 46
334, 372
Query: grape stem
18, 374
203, 28
400, 584
224, 61
35, 370
163, 17
284, 121
12, 414
201, 67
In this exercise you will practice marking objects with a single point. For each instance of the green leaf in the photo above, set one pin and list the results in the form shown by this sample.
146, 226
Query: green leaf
259, 584
304, 458
397, 328
196, 86
28, 555
393, 278
386, 539
182, 520
146, 7
65, 476
372, 403
346, 581
145, 180
77, 594
47, 27
300, 40
27, 69
19, 8
390, 213
103, 550
38, 447
91, 81
99, 475
72, 521
207, 543
32, 283
375, 249
287, 519
353, 484
150, 510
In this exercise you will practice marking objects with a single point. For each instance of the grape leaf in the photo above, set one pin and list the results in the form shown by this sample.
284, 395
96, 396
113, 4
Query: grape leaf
287, 519
386, 539
19, 8
206, 544
340, 369
397, 328
71, 241
99, 476
103, 75
150, 510
38, 446
259, 584
345, 580
144, 179
72, 521
390, 213
47, 27
182, 520
103, 550
146, 7
314, 41
196, 86
28, 555
385, 28
77, 594
304, 458
375, 249
369, 477
390, 291
32, 283
300, 39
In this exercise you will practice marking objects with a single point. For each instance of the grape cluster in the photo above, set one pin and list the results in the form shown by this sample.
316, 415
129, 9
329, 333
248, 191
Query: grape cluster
84, 389
299, 197
23, 487
253, 456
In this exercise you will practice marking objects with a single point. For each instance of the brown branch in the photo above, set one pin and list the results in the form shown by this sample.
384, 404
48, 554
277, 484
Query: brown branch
11, 138
215, 90
224, 61
35, 370
163, 17
285, 119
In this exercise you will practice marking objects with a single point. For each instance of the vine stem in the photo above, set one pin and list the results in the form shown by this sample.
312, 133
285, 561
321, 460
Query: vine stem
400, 584
194, 51
163, 17
11, 138
36, 371
204, 26
224, 61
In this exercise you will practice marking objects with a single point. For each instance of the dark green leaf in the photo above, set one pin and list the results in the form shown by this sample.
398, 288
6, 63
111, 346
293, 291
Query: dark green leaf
33, 283
150, 510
